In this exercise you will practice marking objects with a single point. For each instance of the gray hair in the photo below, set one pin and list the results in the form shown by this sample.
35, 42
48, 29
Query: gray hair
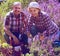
16, 3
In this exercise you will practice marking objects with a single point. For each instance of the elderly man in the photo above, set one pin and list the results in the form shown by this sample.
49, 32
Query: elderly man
15, 26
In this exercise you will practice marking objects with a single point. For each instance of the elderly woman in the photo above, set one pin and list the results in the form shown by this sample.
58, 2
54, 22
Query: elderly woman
40, 21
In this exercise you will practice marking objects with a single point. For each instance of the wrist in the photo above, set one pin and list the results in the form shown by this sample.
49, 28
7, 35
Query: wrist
12, 36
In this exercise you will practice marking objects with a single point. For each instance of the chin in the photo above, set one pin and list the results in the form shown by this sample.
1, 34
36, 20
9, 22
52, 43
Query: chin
34, 15
17, 13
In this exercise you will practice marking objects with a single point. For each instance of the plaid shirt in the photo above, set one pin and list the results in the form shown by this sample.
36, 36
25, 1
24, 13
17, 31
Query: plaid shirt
16, 23
43, 23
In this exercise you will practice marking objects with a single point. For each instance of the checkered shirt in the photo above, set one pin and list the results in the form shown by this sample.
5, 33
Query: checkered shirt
44, 23
16, 23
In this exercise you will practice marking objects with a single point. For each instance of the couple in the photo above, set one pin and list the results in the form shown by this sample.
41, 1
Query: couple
17, 26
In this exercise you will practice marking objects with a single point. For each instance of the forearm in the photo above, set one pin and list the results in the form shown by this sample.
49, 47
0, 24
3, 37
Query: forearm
7, 31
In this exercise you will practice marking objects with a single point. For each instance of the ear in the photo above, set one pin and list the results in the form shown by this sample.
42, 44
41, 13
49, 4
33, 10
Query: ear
27, 8
12, 7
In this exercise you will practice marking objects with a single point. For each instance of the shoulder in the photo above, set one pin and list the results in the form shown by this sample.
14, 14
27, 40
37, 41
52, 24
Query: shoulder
24, 17
22, 14
9, 14
44, 14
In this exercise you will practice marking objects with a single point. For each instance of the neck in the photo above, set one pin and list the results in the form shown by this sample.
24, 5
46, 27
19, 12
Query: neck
16, 15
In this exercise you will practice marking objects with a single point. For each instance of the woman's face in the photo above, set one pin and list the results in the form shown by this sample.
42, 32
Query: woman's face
34, 11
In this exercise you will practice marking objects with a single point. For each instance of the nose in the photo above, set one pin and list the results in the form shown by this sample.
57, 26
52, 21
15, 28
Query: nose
17, 8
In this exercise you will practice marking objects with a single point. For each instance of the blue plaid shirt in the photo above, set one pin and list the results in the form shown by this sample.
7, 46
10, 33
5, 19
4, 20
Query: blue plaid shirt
44, 23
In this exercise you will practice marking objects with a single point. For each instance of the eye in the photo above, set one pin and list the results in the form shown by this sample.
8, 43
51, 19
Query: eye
17, 8
30, 10
34, 10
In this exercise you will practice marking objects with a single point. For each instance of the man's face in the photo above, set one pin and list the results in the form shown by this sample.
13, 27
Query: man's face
34, 11
17, 9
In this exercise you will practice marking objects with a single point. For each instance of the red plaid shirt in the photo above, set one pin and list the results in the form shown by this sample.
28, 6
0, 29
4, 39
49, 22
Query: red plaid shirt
16, 23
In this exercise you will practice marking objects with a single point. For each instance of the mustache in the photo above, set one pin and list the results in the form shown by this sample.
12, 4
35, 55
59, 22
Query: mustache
17, 11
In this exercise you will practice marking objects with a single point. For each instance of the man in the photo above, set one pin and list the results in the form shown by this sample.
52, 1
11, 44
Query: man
40, 22
15, 26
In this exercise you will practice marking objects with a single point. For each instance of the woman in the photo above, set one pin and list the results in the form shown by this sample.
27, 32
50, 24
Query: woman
40, 22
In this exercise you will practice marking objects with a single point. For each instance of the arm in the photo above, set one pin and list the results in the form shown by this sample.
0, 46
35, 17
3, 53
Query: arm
7, 29
7, 26
51, 27
30, 23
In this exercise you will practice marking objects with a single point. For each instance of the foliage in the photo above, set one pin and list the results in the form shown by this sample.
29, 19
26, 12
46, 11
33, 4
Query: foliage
52, 8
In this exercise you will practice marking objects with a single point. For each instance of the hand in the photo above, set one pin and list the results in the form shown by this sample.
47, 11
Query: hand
29, 34
16, 41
